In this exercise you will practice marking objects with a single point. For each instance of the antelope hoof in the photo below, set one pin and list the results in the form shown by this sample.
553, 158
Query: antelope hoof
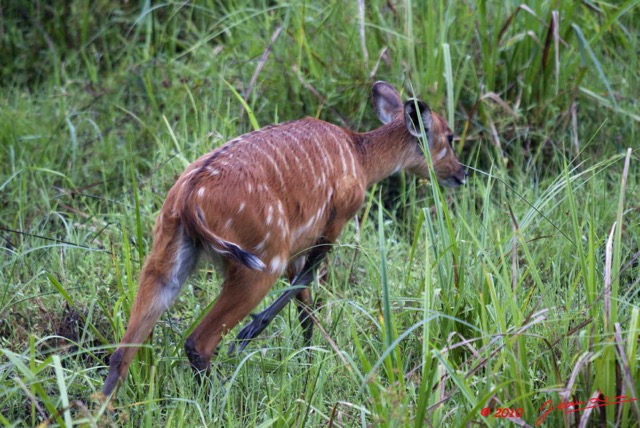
114, 377
199, 364
250, 331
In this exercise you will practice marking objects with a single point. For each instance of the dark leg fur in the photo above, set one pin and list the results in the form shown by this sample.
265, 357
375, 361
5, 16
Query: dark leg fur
198, 365
299, 286
113, 377
305, 321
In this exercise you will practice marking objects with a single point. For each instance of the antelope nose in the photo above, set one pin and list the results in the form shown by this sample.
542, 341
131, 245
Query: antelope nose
461, 175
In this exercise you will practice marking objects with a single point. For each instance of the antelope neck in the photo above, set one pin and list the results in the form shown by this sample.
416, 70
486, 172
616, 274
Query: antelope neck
383, 151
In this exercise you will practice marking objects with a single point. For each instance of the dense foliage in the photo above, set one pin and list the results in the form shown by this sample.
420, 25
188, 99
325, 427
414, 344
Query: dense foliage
519, 288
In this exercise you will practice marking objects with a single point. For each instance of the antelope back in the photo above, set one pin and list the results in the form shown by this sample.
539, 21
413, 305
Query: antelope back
270, 193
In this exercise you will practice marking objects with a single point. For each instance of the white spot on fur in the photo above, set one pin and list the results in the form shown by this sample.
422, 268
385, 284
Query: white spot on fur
327, 161
250, 188
396, 169
213, 172
269, 215
322, 150
201, 191
278, 265
297, 265
296, 159
311, 171
353, 162
271, 160
284, 229
228, 223
304, 228
283, 160
341, 150
241, 208
263, 243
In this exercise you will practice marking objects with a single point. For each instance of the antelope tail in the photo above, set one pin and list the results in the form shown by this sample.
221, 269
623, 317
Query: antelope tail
195, 224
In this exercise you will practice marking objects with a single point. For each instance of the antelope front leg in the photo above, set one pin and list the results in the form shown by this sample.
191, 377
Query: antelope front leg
298, 289
305, 306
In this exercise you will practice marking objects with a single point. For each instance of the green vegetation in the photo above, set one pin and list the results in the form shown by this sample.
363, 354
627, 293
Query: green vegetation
519, 288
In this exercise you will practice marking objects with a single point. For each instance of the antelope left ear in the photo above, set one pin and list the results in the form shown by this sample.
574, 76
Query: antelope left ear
386, 101
414, 111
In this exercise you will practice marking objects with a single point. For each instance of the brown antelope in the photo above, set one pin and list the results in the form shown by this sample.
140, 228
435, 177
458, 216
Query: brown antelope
273, 202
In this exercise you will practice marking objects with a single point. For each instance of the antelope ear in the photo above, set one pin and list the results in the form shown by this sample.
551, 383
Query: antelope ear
414, 111
386, 101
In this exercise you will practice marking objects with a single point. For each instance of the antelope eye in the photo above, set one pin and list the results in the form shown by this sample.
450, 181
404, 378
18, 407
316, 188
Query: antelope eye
450, 138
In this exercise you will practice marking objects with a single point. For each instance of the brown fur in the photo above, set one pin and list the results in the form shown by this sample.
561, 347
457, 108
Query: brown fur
261, 201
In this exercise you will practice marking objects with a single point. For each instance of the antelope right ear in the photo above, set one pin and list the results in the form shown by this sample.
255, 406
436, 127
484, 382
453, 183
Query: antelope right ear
386, 101
412, 109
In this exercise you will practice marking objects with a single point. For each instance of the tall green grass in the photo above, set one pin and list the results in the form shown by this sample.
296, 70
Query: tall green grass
519, 288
